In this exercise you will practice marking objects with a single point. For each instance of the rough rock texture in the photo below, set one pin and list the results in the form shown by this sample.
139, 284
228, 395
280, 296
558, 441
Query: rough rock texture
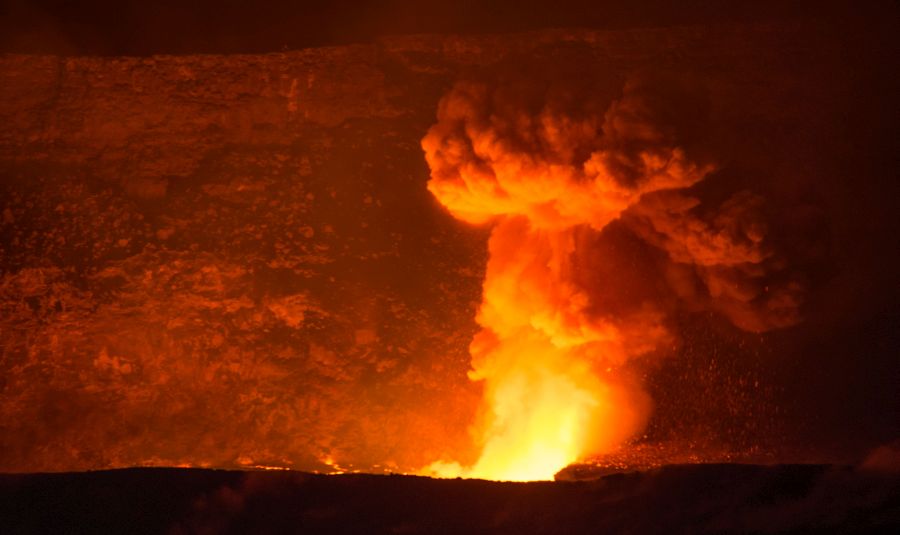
233, 260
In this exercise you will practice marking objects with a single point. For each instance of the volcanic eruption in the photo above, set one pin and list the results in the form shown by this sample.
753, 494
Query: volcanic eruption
559, 172
267, 287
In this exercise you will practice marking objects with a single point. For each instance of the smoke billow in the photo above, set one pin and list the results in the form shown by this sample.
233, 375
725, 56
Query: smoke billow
562, 171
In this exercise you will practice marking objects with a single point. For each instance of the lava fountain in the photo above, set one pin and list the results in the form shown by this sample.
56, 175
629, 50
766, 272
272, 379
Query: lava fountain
547, 167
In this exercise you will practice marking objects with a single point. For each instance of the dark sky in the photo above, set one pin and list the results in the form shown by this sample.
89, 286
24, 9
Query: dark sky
132, 27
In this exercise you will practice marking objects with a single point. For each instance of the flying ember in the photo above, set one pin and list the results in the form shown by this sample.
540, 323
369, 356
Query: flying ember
550, 167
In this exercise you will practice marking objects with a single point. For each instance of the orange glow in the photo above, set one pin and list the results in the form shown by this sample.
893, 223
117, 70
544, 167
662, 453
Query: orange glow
545, 404
553, 369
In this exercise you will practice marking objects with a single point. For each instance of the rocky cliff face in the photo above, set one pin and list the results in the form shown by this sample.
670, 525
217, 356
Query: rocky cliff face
233, 260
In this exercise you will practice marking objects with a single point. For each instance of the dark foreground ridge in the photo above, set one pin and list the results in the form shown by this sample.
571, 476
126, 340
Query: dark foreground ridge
695, 498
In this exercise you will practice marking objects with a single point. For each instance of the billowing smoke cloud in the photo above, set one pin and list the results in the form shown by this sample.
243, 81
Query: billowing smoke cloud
554, 156
727, 253
551, 165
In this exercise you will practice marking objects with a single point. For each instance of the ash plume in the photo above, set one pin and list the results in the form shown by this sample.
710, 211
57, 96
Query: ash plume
564, 174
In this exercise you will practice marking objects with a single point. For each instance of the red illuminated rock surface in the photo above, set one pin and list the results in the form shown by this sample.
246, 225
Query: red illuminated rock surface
232, 261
